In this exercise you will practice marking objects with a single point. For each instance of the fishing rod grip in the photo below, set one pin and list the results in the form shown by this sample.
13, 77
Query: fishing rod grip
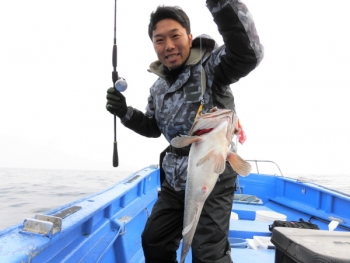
115, 155
115, 144
114, 63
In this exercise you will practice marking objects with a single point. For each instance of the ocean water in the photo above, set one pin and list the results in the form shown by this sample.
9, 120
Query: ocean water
26, 192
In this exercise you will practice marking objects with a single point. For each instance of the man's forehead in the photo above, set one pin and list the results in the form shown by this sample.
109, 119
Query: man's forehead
167, 26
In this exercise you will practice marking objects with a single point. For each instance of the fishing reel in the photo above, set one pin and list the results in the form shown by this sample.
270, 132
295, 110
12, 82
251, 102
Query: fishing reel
121, 85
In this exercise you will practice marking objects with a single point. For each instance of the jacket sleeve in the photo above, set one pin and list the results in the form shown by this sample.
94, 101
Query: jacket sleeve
242, 51
141, 123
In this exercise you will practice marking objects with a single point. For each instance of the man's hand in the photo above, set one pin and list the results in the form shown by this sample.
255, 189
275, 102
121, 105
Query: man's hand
116, 103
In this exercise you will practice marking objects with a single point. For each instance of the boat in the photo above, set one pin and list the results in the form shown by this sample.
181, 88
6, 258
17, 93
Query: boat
107, 226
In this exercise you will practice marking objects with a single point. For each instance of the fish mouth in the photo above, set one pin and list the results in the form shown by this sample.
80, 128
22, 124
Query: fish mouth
212, 119
202, 131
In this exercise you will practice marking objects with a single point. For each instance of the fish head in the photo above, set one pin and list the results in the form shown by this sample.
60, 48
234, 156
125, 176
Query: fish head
212, 119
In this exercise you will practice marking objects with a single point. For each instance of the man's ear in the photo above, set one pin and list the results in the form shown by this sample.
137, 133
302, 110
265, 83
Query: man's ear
190, 37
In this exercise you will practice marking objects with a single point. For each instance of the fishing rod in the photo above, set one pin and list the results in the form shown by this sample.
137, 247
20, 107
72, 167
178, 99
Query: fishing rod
118, 83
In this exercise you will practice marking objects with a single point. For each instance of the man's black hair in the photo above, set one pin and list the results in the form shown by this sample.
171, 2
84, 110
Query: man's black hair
168, 12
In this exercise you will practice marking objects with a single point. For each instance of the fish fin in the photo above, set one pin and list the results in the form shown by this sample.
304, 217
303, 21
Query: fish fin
241, 166
206, 157
219, 161
188, 228
184, 140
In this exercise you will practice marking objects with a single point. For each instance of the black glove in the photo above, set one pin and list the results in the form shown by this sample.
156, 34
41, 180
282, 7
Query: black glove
116, 103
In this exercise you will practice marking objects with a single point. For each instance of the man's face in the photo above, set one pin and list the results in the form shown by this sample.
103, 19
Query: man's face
171, 43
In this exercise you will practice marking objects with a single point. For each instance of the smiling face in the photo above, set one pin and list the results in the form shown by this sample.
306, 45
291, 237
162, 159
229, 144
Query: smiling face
171, 43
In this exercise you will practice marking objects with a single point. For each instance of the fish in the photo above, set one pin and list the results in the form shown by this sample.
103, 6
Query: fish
210, 138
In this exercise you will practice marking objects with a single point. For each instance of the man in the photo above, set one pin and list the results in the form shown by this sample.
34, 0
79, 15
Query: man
172, 105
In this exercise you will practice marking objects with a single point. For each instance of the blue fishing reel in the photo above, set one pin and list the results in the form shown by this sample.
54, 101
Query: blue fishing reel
121, 85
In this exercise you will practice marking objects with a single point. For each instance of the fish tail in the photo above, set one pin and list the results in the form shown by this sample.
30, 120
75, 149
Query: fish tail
184, 252
241, 166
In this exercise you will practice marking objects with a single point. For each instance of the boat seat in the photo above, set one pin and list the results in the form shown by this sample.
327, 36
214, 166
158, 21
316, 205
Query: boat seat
248, 228
245, 211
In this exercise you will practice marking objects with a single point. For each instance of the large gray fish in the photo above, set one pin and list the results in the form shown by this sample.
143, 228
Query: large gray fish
210, 136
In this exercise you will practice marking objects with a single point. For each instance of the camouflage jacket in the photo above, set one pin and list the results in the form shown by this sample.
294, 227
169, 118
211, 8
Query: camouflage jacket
172, 106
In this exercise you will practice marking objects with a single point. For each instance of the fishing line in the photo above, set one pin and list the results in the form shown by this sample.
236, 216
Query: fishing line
203, 83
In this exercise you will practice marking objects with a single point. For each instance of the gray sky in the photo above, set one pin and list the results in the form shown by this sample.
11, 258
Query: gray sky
56, 64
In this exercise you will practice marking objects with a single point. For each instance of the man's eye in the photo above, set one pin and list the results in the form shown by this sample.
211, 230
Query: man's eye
159, 40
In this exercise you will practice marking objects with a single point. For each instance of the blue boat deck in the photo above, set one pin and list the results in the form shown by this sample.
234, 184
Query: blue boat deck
243, 230
239, 255
107, 226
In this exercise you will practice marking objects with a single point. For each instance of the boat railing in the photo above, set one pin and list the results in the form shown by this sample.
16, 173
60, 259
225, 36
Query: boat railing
256, 162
